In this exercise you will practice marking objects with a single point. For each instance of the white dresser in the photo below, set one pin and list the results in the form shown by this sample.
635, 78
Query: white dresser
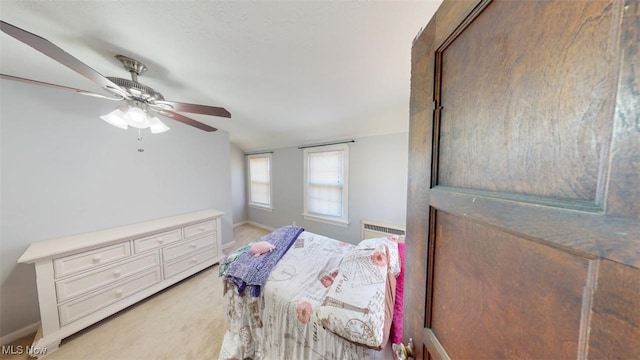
84, 278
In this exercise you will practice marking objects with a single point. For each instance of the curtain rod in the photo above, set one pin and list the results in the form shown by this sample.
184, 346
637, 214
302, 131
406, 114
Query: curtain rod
258, 153
326, 144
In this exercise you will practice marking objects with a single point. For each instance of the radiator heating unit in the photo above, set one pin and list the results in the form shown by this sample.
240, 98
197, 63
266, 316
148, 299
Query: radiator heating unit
374, 229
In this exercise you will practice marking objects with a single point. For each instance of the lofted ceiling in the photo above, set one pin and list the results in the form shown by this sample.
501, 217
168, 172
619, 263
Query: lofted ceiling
290, 72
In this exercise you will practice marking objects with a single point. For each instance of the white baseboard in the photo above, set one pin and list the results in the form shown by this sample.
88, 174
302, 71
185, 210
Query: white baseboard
247, 222
20, 333
240, 223
261, 226
252, 223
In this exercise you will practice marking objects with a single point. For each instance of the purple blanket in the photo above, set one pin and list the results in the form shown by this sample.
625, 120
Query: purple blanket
252, 272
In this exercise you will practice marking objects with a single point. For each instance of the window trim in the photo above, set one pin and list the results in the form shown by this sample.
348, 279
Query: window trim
250, 202
333, 220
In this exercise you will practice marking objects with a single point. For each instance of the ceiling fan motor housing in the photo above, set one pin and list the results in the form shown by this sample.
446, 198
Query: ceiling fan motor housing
137, 90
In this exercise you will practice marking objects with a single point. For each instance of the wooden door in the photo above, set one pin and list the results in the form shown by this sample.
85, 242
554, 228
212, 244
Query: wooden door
523, 231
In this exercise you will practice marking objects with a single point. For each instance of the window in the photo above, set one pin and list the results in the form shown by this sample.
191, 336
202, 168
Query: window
260, 181
326, 184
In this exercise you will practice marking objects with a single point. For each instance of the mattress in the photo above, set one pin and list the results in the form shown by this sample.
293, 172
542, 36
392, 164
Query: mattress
283, 322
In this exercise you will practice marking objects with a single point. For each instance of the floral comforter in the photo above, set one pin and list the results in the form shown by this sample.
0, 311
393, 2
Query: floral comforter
283, 323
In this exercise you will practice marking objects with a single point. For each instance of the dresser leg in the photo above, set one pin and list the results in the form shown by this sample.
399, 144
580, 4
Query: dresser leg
42, 346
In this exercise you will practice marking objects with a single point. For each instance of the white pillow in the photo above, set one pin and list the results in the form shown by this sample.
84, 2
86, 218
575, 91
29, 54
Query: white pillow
391, 242
359, 304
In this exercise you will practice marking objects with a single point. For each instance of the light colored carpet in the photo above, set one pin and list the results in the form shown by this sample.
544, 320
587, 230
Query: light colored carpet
185, 321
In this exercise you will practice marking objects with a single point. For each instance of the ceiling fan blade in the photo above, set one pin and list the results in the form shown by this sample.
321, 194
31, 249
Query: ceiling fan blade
51, 50
41, 83
185, 120
194, 108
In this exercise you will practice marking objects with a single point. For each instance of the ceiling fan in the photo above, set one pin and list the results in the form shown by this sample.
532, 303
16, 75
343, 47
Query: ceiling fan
142, 102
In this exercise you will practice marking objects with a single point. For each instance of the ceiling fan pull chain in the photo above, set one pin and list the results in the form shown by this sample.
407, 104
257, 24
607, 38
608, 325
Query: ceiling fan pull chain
140, 139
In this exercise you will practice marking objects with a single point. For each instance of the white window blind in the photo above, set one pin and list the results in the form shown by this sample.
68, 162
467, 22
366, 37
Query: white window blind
260, 180
326, 183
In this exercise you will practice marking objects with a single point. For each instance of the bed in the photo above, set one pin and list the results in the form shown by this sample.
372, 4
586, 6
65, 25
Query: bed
322, 299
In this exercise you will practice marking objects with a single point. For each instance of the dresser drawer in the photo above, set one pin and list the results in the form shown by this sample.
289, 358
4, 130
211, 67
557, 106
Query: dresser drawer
198, 229
157, 240
87, 260
89, 304
185, 247
179, 266
86, 282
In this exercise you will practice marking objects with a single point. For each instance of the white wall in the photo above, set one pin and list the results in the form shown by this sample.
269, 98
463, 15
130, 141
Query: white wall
65, 171
377, 187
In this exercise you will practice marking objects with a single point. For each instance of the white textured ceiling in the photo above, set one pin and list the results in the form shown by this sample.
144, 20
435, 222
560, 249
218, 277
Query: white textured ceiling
290, 73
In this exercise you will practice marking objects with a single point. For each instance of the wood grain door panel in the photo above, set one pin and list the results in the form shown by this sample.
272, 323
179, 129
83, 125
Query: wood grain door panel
486, 280
512, 120
523, 229
615, 315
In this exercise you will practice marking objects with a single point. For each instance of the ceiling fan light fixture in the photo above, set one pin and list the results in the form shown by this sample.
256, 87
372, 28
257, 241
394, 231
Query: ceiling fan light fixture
115, 118
156, 126
136, 117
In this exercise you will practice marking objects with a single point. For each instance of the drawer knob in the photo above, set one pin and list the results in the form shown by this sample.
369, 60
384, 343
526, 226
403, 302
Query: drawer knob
117, 273
96, 259
119, 293
160, 241
201, 228
194, 260
193, 245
